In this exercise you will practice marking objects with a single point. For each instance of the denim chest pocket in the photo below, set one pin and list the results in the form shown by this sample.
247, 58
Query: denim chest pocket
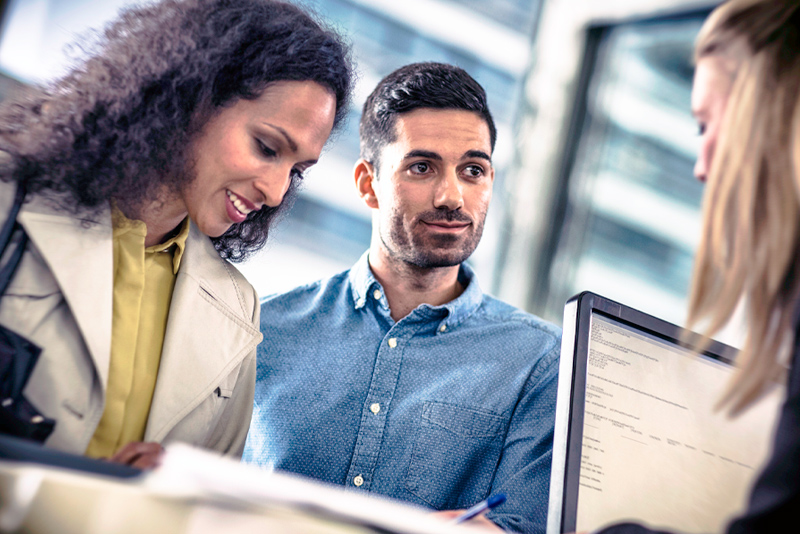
455, 454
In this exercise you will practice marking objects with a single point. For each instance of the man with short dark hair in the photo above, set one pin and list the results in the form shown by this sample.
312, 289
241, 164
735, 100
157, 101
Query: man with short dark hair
400, 376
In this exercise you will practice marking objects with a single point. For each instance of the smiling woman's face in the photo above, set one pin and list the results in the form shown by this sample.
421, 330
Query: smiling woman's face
713, 80
247, 154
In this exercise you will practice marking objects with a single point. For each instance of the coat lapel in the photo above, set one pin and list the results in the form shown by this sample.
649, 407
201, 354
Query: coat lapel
80, 256
209, 332
209, 329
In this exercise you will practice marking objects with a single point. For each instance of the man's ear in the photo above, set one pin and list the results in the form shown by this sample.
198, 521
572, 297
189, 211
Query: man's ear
364, 174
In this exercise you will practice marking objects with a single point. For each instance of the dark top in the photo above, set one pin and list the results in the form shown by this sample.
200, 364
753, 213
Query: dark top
775, 502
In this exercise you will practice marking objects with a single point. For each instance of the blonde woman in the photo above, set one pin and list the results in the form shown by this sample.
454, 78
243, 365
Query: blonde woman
745, 99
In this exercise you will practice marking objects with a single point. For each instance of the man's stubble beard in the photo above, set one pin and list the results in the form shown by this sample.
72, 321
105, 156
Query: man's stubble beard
428, 256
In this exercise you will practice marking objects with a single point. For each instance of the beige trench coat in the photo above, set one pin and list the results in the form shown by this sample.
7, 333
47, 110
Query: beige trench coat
61, 299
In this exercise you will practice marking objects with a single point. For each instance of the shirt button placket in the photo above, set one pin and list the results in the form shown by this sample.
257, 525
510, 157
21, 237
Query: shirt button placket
371, 429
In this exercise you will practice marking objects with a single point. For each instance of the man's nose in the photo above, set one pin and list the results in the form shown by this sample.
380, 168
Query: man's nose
448, 193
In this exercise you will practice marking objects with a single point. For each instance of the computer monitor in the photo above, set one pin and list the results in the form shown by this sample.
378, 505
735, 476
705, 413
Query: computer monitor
638, 435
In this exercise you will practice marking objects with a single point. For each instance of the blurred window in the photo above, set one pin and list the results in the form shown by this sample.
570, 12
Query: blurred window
630, 204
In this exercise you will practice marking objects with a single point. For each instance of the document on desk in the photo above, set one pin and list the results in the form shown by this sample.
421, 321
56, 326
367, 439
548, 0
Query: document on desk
218, 483
654, 448
196, 491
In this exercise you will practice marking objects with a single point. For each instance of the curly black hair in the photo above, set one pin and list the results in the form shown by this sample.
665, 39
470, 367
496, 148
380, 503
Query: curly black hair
119, 126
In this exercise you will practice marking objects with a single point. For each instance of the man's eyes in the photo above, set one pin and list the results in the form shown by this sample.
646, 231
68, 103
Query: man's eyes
469, 171
474, 171
420, 167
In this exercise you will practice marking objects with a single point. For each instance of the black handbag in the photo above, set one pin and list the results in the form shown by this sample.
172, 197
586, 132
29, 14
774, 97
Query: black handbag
18, 356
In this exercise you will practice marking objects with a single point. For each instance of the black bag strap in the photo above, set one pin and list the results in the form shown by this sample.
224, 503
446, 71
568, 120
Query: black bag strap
10, 227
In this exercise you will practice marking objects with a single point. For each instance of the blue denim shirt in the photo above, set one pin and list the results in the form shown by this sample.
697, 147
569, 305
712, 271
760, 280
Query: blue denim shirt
442, 408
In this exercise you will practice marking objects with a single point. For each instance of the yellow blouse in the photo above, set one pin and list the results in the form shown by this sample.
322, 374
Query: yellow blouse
143, 283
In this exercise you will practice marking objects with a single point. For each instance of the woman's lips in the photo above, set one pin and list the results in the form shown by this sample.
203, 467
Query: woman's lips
237, 207
241, 203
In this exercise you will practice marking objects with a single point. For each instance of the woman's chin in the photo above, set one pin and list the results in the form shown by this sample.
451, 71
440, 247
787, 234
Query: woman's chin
214, 230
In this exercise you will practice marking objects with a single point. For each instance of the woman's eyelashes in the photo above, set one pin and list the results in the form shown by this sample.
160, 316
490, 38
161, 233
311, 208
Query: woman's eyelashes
264, 149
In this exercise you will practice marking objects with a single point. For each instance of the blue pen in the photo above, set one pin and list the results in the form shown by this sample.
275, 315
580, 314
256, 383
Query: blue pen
488, 504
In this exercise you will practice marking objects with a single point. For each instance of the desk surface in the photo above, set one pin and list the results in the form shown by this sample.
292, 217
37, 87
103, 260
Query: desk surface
38, 499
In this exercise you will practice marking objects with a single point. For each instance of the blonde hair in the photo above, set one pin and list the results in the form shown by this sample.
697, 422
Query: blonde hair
750, 246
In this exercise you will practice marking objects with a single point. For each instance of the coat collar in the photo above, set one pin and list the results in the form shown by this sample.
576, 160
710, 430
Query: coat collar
79, 253
210, 326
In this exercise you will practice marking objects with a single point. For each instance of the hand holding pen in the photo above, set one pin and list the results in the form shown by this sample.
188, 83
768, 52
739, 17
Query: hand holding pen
481, 507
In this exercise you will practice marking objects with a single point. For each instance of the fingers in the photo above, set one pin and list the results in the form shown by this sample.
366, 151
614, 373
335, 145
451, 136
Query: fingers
448, 514
483, 523
480, 522
142, 455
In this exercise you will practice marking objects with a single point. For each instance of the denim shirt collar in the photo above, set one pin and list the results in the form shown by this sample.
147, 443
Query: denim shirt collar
362, 281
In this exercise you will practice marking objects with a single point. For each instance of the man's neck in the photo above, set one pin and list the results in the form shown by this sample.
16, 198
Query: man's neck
407, 286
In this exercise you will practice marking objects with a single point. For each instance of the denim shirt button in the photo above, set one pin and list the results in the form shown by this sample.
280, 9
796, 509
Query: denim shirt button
392, 342
443, 328
375, 408
376, 294
358, 480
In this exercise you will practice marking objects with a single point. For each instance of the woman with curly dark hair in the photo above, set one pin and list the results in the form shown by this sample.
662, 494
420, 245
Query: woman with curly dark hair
170, 150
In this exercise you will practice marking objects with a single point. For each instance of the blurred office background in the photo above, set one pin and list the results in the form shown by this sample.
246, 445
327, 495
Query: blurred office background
594, 187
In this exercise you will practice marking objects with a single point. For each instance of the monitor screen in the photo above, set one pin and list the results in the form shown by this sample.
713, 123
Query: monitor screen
654, 448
